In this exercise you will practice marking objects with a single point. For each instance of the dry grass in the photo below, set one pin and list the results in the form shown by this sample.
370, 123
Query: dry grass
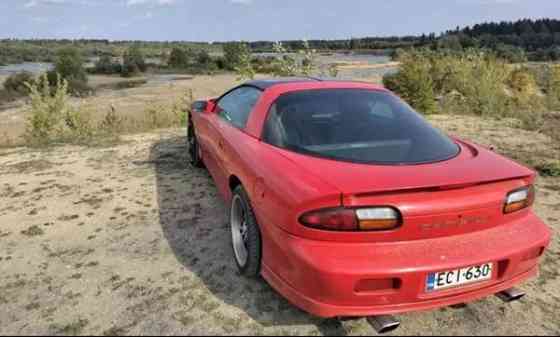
134, 106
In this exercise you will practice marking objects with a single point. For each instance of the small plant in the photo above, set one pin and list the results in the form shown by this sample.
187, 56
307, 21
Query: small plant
332, 70
47, 110
245, 69
308, 63
551, 169
111, 123
286, 64
52, 118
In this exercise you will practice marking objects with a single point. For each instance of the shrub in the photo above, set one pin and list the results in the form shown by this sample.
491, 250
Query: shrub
413, 82
245, 68
17, 83
309, 59
286, 64
511, 53
179, 58
524, 90
76, 87
47, 110
204, 60
551, 169
105, 65
52, 118
111, 124
133, 62
552, 87
472, 82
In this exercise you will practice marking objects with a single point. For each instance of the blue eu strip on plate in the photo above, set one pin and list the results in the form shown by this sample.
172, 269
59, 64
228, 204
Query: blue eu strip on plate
431, 281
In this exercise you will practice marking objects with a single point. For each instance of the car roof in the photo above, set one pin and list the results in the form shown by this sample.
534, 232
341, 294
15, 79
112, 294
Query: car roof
264, 84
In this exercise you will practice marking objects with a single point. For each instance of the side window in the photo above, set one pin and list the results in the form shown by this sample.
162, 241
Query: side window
381, 109
236, 106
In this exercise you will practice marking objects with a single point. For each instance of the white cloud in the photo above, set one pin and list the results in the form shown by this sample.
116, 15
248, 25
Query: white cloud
243, 2
33, 3
150, 2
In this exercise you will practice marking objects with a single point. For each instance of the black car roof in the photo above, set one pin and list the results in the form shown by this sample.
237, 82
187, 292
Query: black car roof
267, 83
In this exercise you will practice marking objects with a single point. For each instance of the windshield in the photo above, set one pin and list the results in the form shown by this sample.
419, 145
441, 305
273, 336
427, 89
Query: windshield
356, 125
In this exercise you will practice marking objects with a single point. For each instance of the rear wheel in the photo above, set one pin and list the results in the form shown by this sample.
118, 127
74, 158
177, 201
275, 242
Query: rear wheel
194, 148
245, 234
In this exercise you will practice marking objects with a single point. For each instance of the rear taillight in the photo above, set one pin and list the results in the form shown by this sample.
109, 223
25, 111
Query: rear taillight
353, 219
519, 199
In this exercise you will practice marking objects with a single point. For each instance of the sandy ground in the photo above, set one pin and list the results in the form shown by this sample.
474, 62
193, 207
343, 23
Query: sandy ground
131, 240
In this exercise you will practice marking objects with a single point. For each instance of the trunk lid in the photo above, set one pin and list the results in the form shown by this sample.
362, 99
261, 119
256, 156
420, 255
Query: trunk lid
473, 165
457, 196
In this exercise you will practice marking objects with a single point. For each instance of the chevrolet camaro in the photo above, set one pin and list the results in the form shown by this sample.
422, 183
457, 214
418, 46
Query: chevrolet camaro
350, 204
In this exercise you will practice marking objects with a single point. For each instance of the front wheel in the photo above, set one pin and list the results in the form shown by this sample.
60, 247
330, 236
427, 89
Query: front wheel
245, 234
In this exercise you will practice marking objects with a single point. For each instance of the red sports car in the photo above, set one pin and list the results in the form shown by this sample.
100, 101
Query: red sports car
350, 204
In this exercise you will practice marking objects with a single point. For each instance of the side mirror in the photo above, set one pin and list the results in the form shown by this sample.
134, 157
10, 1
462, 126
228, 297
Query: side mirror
199, 106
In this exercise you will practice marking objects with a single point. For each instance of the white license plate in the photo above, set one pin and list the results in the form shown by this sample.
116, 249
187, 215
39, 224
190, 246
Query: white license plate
458, 277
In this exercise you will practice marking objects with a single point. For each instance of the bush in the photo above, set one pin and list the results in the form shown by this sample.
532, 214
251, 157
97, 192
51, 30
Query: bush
52, 118
511, 53
17, 83
524, 90
469, 82
413, 82
76, 87
204, 60
179, 58
552, 87
133, 62
105, 65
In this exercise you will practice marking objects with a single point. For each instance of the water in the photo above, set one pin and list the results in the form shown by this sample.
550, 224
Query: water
32, 67
323, 59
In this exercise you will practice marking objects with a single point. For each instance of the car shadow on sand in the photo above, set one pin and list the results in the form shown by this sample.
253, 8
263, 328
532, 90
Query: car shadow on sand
194, 221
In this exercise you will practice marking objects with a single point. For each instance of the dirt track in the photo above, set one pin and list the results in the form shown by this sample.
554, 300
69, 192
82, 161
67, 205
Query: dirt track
131, 240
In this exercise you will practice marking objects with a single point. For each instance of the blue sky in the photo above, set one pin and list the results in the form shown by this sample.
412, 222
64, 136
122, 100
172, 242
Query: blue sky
223, 20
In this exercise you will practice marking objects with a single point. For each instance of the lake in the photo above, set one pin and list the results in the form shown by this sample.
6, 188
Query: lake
32, 67
361, 62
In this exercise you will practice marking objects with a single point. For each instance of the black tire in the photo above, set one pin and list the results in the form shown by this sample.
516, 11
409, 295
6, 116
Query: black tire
194, 149
253, 243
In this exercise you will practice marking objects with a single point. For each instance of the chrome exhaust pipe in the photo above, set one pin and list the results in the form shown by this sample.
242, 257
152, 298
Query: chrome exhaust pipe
510, 295
384, 324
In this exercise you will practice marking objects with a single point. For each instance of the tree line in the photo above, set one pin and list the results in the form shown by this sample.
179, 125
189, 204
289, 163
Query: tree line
526, 39
539, 39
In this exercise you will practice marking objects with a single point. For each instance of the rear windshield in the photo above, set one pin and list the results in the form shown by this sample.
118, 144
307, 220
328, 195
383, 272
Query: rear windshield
356, 125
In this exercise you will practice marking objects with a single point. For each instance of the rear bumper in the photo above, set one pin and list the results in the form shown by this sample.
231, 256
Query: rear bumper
330, 279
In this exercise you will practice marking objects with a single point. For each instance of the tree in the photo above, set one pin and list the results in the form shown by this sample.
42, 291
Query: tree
69, 64
178, 58
203, 58
234, 54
